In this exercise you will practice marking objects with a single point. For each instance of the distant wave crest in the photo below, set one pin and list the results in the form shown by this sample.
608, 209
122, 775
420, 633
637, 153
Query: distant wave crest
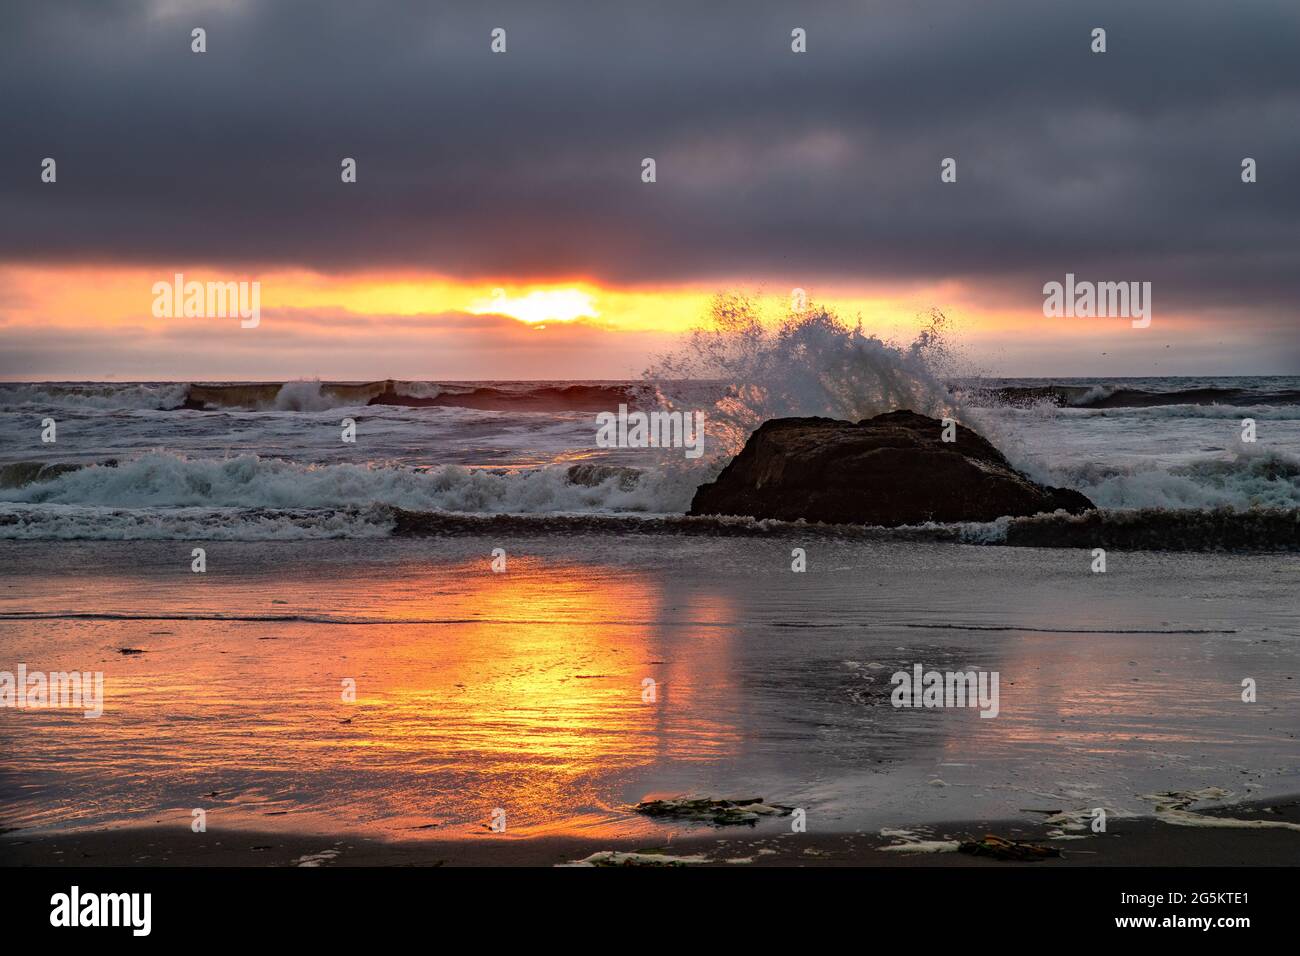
315, 396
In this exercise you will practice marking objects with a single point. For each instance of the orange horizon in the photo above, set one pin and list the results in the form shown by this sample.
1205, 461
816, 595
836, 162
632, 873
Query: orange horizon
497, 328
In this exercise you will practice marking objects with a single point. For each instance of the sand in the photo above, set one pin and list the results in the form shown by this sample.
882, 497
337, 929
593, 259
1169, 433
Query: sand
525, 691
1133, 842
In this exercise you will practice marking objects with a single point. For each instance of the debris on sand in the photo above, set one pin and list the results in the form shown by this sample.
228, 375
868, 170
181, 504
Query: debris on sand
316, 859
637, 858
1182, 799
718, 812
1002, 849
1172, 806
1075, 821
914, 842
923, 846
1186, 818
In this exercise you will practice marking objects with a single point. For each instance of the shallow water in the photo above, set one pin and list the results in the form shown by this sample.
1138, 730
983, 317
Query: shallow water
523, 690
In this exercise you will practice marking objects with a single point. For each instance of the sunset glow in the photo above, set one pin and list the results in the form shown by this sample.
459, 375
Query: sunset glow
539, 305
414, 323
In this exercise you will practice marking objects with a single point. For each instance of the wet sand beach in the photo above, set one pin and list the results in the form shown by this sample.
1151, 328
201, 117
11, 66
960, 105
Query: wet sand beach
525, 692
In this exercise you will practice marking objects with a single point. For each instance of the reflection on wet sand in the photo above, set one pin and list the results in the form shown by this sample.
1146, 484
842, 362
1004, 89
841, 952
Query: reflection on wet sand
532, 702
526, 690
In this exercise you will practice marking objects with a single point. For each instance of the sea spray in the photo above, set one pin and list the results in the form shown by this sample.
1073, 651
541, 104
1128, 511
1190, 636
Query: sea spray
808, 362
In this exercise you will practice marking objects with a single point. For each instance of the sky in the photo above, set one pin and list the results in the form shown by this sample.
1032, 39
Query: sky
499, 225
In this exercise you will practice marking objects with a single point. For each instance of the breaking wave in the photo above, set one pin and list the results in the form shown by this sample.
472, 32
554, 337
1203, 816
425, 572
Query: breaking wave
743, 370
93, 395
1247, 480
160, 480
1149, 452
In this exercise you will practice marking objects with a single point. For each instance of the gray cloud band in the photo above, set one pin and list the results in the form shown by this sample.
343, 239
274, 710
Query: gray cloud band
822, 165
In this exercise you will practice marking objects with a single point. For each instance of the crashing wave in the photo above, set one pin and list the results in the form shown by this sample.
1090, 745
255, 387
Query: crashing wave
1242, 481
161, 480
743, 370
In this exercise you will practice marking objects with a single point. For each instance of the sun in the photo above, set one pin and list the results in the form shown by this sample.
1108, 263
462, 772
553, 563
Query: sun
539, 305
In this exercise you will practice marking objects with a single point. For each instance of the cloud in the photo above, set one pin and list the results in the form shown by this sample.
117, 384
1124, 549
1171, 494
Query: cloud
821, 166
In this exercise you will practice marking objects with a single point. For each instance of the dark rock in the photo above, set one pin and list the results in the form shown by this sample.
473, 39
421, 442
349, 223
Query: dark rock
19, 474
1158, 529
890, 470
1000, 848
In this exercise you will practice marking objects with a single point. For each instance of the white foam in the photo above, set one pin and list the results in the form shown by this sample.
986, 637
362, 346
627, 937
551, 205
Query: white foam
1186, 818
305, 397
1250, 478
619, 858
316, 859
924, 846
160, 480
1124, 462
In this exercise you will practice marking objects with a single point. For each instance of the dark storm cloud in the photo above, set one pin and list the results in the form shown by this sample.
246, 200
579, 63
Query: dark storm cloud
821, 166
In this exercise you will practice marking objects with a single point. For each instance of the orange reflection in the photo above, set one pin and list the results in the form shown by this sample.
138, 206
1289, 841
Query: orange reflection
474, 691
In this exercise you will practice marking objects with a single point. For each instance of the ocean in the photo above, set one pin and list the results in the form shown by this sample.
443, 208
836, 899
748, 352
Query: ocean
268, 461
522, 687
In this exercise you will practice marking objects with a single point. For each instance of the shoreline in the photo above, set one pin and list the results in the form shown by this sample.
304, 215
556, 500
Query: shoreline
1138, 841
1253, 531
